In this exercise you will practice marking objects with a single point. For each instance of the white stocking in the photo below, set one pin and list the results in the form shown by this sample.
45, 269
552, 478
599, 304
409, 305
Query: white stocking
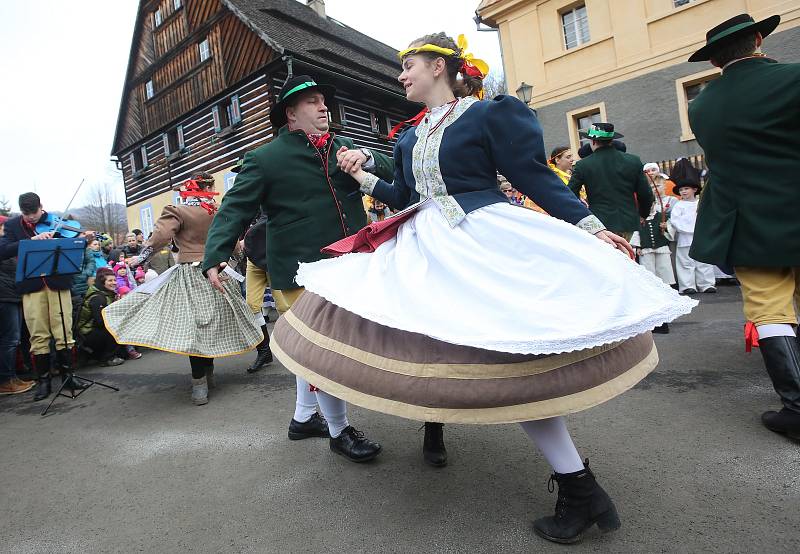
335, 411
552, 438
306, 404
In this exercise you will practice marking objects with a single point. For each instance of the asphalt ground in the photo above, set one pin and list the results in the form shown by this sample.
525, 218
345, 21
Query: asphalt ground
683, 455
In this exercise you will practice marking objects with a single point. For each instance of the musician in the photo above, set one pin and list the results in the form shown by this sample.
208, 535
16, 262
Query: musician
256, 283
44, 300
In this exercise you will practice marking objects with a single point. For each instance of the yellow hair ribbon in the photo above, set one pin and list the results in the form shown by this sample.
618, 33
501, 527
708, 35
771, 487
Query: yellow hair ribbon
479, 64
426, 48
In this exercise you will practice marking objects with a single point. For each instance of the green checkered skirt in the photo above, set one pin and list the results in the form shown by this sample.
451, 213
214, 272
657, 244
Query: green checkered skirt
186, 315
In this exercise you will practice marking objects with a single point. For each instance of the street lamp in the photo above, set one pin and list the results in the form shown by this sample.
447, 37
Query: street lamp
525, 92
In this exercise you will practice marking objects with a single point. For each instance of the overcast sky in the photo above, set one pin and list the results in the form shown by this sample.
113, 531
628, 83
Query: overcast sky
63, 65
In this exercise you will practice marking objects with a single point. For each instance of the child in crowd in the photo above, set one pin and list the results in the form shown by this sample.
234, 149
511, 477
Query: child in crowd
650, 241
139, 275
693, 276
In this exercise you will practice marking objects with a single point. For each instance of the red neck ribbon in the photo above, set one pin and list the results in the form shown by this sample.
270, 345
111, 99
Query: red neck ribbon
319, 141
414, 121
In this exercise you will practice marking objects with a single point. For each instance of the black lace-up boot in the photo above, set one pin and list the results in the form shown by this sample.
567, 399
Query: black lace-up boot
581, 503
433, 451
782, 360
41, 366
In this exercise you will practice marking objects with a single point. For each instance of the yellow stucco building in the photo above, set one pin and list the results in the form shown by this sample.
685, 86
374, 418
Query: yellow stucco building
622, 61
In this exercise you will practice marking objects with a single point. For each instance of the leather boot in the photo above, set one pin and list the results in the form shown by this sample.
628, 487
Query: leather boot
581, 503
433, 451
41, 366
263, 353
66, 365
782, 360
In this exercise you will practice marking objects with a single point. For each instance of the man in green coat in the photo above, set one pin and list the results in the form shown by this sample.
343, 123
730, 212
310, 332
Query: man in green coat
309, 203
748, 123
616, 188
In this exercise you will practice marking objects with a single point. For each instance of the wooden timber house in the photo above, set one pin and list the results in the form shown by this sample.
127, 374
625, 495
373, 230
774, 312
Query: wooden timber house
203, 74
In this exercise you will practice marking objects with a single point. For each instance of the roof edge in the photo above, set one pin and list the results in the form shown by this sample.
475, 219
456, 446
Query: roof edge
252, 26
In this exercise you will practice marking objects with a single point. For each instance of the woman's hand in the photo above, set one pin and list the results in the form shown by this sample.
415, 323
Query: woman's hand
616, 241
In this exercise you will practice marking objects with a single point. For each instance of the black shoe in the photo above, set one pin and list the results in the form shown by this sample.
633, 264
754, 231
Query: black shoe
786, 422
433, 451
688, 291
581, 503
782, 360
64, 361
662, 329
72, 383
263, 357
42, 388
314, 427
710, 290
354, 446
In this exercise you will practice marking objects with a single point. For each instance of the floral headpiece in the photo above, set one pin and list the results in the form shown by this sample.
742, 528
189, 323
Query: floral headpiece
470, 65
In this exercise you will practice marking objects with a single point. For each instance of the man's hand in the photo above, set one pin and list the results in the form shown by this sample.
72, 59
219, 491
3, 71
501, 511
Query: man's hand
350, 160
616, 241
43, 236
214, 278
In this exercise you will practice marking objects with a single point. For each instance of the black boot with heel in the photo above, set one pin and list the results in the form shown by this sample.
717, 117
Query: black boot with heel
581, 503
782, 360
41, 366
263, 353
433, 451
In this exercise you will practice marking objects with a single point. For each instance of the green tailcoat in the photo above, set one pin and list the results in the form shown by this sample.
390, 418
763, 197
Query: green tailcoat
307, 206
748, 123
611, 179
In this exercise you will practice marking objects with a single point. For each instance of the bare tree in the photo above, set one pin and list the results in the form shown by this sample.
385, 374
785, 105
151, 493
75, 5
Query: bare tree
103, 211
5, 206
494, 84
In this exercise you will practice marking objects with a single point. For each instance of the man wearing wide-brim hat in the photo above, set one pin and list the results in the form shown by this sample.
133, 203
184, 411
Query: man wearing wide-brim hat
309, 203
748, 123
616, 187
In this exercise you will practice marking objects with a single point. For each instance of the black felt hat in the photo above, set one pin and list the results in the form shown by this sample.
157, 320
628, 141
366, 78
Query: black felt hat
601, 132
293, 87
729, 30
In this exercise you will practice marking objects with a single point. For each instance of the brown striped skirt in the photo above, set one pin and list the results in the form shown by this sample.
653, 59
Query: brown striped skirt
417, 377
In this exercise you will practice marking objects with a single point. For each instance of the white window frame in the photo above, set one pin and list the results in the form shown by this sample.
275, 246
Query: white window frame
683, 102
149, 90
157, 18
181, 140
177, 4
580, 39
146, 222
234, 111
572, 122
204, 48
143, 150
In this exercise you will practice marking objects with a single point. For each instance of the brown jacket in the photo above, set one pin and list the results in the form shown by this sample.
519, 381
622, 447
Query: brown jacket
187, 226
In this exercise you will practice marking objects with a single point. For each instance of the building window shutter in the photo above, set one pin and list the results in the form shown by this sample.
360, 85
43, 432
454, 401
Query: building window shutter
217, 120
236, 112
144, 156
165, 140
177, 4
181, 143
157, 18
149, 90
132, 161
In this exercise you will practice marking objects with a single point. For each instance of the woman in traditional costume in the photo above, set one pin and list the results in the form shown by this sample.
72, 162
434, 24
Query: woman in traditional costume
566, 319
179, 311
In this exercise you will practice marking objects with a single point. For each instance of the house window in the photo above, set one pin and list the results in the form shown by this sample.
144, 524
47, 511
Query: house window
143, 156
688, 88
227, 114
146, 219
379, 123
157, 19
336, 113
138, 160
149, 91
205, 50
177, 4
575, 23
173, 141
581, 119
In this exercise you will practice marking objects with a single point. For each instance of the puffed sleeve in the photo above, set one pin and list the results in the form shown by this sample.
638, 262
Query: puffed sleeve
396, 194
165, 228
514, 138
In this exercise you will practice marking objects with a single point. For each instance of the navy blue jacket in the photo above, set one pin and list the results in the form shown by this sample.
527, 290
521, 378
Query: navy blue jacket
9, 245
500, 135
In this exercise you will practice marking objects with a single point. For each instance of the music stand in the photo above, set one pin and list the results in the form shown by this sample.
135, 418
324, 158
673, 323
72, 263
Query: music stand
50, 258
